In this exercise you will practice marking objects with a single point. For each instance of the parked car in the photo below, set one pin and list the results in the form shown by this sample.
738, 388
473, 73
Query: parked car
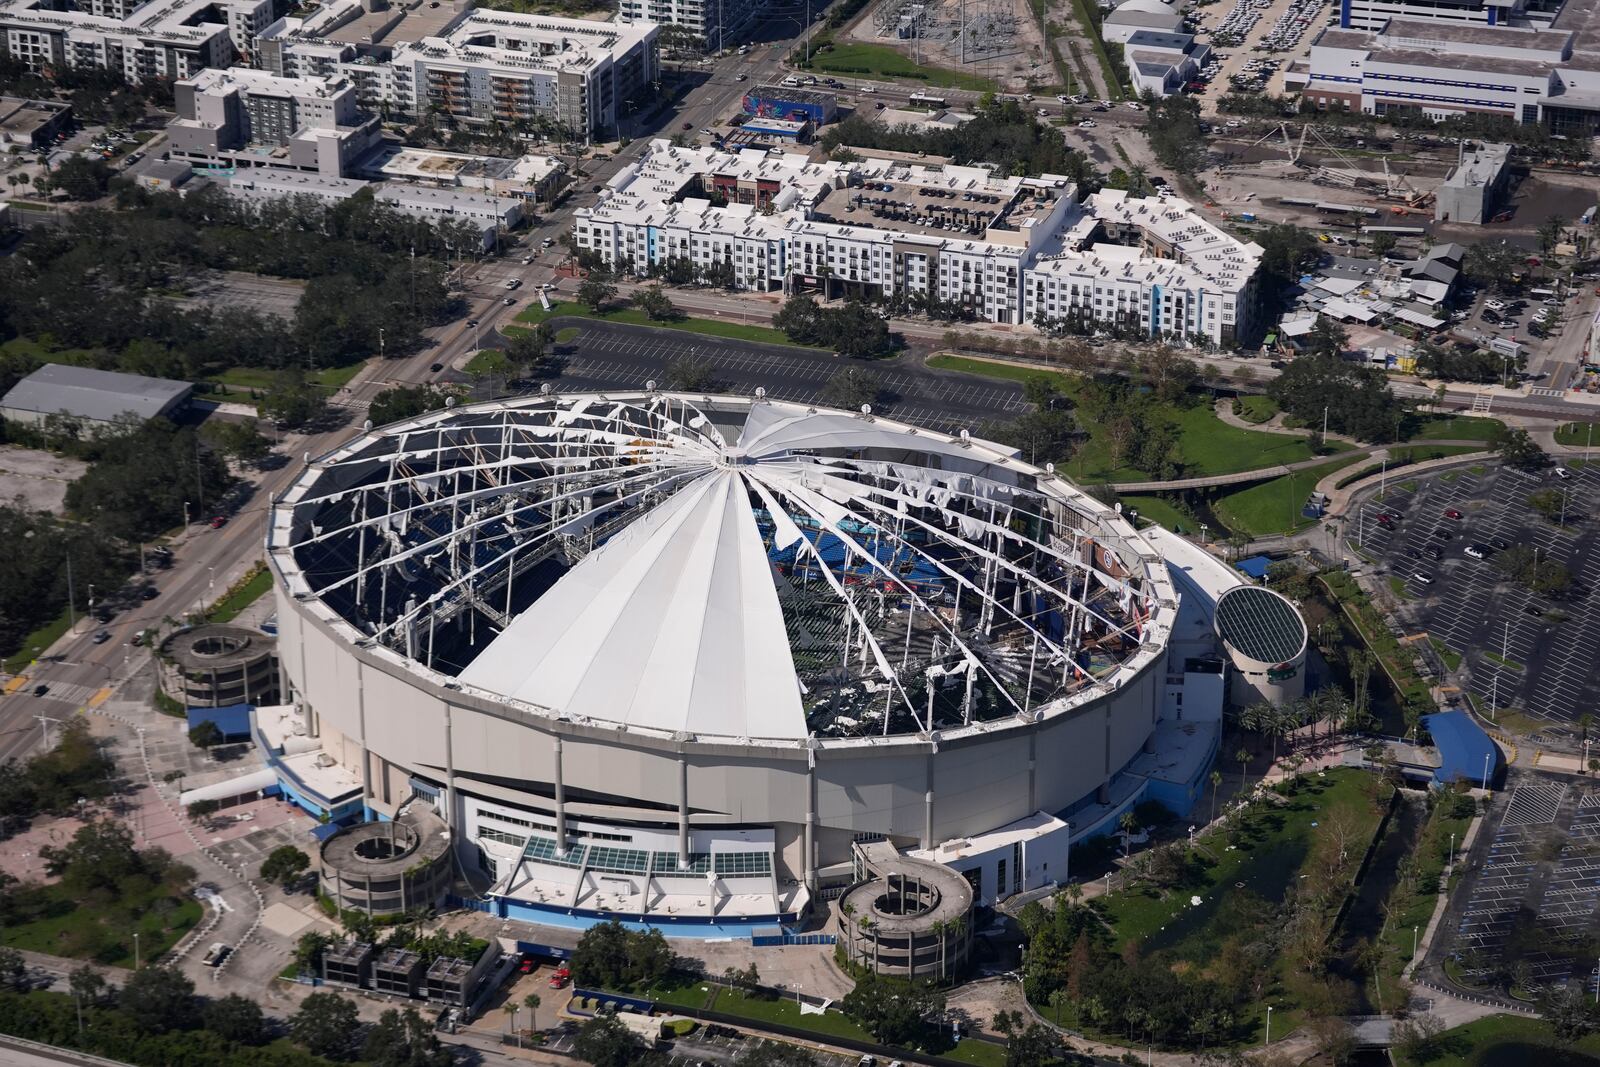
1422, 578
102, 636
1477, 551
561, 977
1452, 513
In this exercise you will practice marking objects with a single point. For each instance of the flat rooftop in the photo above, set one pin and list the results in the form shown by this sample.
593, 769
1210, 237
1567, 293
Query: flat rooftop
910, 209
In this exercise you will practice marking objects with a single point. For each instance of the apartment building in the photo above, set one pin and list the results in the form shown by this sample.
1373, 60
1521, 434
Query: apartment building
1012, 250
1548, 76
159, 39
480, 67
244, 117
717, 23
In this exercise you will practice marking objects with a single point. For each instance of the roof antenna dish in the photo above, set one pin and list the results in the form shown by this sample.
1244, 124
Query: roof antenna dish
449, 401
366, 427
761, 392
544, 390
966, 438
866, 409
651, 385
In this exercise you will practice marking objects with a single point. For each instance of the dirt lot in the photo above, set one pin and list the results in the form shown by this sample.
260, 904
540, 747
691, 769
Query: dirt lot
38, 478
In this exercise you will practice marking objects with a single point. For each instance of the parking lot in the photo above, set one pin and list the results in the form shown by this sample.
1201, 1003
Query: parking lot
1527, 915
605, 355
1520, 650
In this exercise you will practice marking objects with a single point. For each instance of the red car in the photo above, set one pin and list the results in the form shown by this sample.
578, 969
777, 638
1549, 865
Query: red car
219, 521
1451, 513
528, 965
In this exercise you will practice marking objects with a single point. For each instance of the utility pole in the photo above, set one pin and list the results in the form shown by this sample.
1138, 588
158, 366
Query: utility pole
72, 598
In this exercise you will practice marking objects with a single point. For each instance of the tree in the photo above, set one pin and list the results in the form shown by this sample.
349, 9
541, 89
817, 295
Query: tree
1382, 243
1493, 264
206, 735
892, 1011
851, 388
529, 350
1517, 448
605, 1042
89, 987
1569, 1012
242, 440
1417, 1038
80, 178
1355, 399
609, 956
1243, 756
404, 1039
201, 810
99, 856
406, 402
596, 293
141, 474
284, 865
159, 999
1551, 503
690, 374
1035, 1046
656, 305
775, 1054
1128, 826
291, 400
1328, 338
1549, 232
13, 969
326, 1024
235, 1018
1216, 787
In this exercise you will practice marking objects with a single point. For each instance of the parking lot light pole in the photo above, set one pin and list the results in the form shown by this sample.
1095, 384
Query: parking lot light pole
1486, 756
1450, 867
1414, 942
1268, 1041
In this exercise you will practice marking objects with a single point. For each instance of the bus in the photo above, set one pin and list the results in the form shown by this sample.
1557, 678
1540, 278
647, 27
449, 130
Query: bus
928, 99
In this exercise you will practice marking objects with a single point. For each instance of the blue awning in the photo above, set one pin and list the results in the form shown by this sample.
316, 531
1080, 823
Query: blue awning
233, 720
1467, 752
1253, 567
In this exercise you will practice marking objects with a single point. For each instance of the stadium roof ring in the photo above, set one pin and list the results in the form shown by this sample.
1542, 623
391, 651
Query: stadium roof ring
722, 569
1260, 625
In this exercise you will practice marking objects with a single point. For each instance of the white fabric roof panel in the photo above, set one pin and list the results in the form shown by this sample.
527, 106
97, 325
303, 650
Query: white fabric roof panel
621, 637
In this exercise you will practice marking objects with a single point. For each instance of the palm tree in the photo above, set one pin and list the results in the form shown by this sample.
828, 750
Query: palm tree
1129, 825
511, 1008
1216, 787
1243, 756
1138, 180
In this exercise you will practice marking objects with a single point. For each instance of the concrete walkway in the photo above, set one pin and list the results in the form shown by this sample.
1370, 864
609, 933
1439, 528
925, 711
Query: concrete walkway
1224, 410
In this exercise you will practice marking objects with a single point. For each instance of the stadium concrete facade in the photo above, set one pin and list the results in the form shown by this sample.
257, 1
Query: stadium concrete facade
671, 658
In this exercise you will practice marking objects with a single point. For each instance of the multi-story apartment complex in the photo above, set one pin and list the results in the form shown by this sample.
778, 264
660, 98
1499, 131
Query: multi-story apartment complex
1012, 250
158, 39
1548, 76
244, 117
717, 23
480, 67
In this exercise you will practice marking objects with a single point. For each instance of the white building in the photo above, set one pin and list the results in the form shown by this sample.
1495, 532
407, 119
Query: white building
482, 67
718, 23
488, 215
1549, 76
1016, 250
245, 117
1374, 14
171, 39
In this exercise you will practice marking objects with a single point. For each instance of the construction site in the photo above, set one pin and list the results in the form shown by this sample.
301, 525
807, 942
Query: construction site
994, 39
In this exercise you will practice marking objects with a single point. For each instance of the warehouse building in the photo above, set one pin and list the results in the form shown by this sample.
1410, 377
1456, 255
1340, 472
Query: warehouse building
97, 397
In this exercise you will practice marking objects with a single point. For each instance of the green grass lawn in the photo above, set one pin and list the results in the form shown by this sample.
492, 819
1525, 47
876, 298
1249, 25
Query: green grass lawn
27, 348
1577, 434
1206, 443
1257, 409
244, 379
489, 361
1397, 586
42, 638
738, 331
56, 920
880, 60
567, 334
1452, 658
1509, 664
1273, 507
1159, 512
228, 608
1507, 1041
1411, 904
1456, 428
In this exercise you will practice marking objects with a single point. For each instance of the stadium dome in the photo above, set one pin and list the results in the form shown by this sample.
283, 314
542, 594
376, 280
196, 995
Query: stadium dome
627, 604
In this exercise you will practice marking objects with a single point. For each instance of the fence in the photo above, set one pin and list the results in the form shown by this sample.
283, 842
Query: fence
768, 940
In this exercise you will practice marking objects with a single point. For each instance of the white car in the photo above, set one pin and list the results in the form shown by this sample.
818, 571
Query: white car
1422, 578
1477, 552
867, 89
1086, 124
1134, 105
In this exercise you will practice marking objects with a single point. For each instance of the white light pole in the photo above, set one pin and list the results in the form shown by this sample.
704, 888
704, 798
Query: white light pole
1450, 867
1268, 1041
1486, 771
212, 581
1414, 942
136, 950
1191, 837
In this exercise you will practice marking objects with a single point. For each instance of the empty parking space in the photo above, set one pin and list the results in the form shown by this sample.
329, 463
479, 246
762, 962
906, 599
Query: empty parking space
607, 356
1521, 650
